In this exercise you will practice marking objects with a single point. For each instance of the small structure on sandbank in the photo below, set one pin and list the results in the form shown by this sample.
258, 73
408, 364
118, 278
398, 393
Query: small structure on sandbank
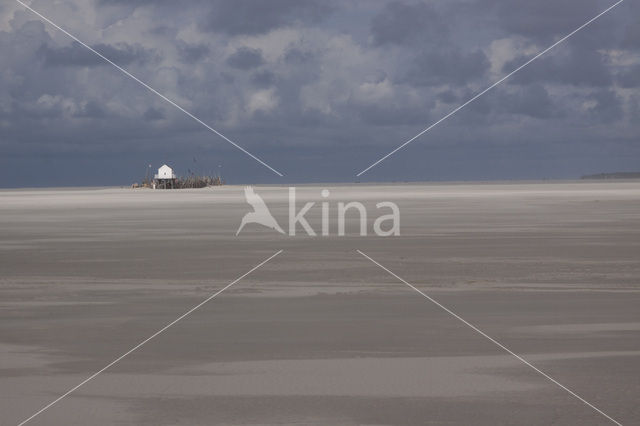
165, 178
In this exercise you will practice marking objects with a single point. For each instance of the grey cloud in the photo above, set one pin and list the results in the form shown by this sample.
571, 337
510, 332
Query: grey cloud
245, 58
578, 66
122, 2
608, 107
191, 53
540, 20
153, 114
92, 109
631, 38
634, 109
629, 77
163, 30
297, 56
447, 96
354, 76
78, 55
263, 78
376, 76
134, 3
394, 115
401, 23
446, 67
544, 22
258, 17
533, 101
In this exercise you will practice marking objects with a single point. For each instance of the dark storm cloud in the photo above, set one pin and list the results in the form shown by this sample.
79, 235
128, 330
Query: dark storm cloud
575, 65
540, 20
162, 30
533, 101
607, 108
263, 78
258, 17
132, 2
296, 56
401, 23
631, 38
543, 22
395, 114
355, 76
446, 67
634, 109
77, 55
191, 53
245, 58
447, 96
629, 77
119, 2
153, 114
92, 109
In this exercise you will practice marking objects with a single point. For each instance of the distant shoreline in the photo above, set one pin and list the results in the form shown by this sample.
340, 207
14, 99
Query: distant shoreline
614, 175
602, 178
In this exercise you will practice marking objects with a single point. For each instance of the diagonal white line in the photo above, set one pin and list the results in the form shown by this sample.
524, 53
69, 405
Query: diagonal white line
145, 85
489, 88
500, 345
55, 401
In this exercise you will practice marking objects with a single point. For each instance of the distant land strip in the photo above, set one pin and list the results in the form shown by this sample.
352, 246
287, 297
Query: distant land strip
616, 175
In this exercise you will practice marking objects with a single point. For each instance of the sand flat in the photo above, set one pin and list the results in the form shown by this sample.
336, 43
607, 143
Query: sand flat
320, 335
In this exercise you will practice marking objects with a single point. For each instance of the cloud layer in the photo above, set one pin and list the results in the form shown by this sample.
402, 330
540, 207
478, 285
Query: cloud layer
318, 89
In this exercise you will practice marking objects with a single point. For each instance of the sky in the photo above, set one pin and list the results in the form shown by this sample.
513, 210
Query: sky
317, 89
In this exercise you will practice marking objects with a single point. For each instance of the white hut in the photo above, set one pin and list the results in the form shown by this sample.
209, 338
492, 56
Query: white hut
165, 178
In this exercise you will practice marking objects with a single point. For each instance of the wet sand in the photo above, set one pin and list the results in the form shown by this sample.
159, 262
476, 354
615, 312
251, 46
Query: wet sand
320, 335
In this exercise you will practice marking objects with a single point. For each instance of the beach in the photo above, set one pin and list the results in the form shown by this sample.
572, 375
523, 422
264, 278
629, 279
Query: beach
320, 334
